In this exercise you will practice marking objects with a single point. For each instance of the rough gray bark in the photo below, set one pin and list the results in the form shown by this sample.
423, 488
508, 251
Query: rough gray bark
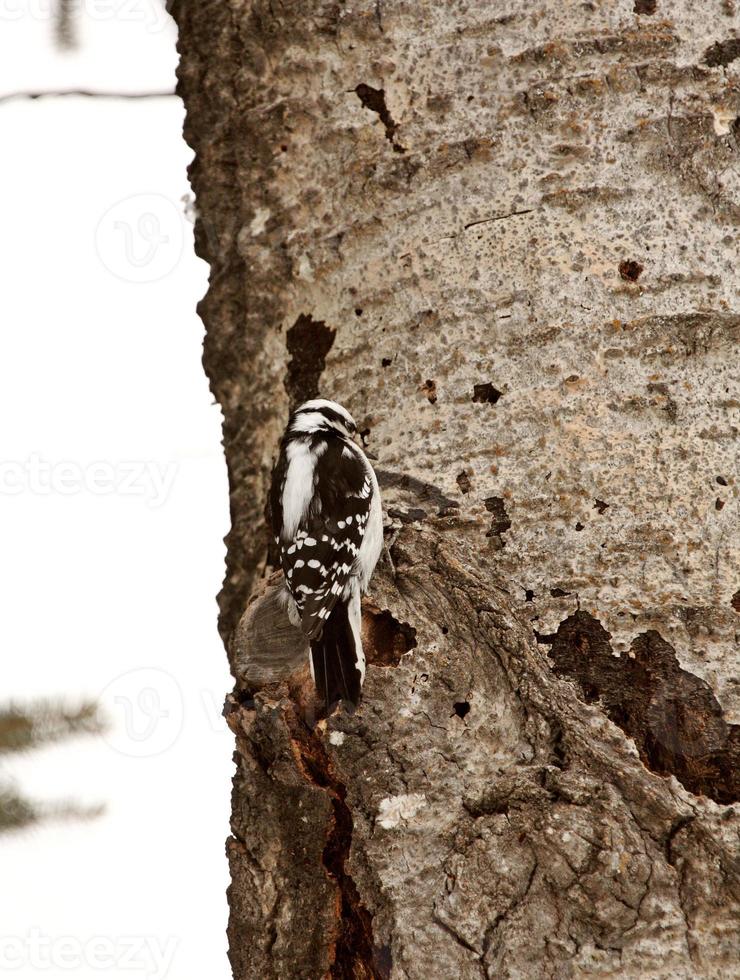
505, 236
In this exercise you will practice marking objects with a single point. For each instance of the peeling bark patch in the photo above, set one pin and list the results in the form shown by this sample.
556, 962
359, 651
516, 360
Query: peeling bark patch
722, 53
384, 638
429, 388
647, 7
308, 342
500, 523
374, 100
672, 715
630, 270
486, 393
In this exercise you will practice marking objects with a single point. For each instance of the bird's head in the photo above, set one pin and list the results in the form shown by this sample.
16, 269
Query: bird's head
321, 415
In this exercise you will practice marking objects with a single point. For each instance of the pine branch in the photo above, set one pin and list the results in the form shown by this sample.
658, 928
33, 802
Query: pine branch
18, 812
40, 722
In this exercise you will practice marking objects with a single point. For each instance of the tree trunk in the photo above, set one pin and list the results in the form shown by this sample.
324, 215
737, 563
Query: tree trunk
505, 237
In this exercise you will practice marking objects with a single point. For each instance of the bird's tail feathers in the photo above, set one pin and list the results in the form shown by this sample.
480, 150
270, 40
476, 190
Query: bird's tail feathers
337, 657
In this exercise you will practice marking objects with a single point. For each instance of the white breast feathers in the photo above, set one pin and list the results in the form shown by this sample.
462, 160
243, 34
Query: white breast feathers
298, 488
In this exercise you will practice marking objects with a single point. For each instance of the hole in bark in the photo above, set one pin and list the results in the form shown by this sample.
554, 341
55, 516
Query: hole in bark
735, 601
463, 481
722, 53
386, 361
445, 630
461, 708
429, 388
721, 480
600, 505
672, 715
630, 270
500, 522
486, 393
579, 526
384, 638
719, 504
308, 342
374, 100
358, 311
528, 595
645, 6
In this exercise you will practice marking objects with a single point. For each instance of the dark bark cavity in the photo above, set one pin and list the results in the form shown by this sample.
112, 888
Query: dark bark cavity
672, 715
722, 53
384, 638
500, 522
630, 270
308, 342
486, 393
374, 100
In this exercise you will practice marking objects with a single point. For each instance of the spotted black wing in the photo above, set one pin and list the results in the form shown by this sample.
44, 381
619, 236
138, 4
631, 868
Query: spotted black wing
319, 561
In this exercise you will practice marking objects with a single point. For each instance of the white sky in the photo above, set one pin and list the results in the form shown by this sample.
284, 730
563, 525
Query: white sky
113, 506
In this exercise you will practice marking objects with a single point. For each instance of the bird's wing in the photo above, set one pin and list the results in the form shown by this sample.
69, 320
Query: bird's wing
319, 560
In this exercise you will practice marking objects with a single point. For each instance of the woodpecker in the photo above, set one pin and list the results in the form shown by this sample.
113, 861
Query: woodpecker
328, 526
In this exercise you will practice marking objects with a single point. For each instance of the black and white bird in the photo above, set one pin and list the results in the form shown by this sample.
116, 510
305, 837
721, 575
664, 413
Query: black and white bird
328, 526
